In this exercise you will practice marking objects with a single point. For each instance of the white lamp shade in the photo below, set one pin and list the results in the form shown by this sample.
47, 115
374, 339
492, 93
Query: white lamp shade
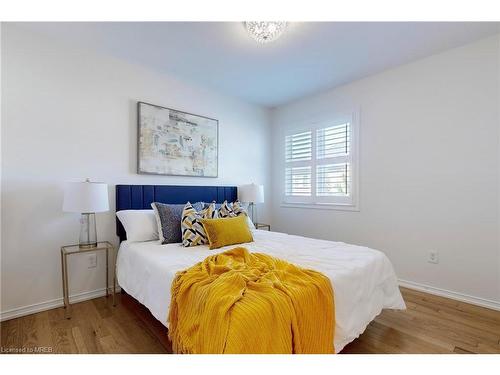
86, 197
251, 193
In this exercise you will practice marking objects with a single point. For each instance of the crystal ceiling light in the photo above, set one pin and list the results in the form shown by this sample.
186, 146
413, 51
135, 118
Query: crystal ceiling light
265, 32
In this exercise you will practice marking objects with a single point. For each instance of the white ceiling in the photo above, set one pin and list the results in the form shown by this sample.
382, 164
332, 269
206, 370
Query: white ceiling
308, 58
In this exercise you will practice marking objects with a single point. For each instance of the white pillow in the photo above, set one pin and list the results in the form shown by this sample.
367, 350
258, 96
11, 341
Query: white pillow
249, 222
140, 225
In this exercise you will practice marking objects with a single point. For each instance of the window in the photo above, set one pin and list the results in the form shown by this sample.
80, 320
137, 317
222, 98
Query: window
320, 165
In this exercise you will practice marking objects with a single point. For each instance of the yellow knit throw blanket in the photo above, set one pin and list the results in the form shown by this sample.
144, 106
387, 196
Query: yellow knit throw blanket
242, 302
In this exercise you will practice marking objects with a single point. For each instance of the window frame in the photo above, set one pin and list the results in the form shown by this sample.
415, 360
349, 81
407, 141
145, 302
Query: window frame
350, 203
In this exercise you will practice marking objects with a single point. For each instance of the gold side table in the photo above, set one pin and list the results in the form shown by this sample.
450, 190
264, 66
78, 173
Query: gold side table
261, 225
75, 249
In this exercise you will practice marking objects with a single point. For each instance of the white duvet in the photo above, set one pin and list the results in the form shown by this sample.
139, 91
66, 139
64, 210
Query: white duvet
363, 279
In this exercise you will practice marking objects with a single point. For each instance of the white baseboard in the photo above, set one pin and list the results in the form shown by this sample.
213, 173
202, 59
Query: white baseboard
52, 304
483, 302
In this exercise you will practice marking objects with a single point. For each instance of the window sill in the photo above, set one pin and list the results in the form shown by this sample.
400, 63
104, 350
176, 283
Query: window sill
322, 206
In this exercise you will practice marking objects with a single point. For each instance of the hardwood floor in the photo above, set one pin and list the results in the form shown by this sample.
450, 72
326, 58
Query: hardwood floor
431, 324
95, 327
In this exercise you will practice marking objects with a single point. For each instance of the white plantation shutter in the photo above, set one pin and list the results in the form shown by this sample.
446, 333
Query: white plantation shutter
332, 180
333, 169
298, 181
299, 146
320, 165
298, 173
333, 141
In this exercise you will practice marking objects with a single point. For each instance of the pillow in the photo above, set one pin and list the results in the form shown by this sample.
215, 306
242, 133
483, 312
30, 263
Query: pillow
168, 220
227, 231
242, 209
231, 210
217, 205
217, 208
193, 233
251, 226
140, 225
226, 210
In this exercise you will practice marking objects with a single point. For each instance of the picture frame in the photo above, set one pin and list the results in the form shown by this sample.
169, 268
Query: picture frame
171, 142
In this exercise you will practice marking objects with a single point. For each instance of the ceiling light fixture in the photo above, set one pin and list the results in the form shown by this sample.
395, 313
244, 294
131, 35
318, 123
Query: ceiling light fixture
265, 32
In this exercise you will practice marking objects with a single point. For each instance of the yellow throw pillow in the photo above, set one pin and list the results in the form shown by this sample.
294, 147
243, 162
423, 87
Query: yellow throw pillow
227, 231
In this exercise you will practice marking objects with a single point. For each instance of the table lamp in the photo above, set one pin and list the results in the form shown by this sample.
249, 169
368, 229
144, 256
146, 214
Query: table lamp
252, 194
86, 198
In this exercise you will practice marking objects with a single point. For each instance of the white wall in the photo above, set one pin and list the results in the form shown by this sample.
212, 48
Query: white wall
429, 168
68, 114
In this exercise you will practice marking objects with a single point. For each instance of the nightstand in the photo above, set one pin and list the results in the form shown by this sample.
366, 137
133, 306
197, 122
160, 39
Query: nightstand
261, 225
75, 249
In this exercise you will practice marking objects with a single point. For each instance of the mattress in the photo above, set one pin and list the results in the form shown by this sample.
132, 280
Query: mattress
363, 279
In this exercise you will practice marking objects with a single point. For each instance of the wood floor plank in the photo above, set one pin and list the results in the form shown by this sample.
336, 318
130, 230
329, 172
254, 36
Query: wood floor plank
462, 351
465, 319
458, 306
472, 320
60, 329
413, 331
474, 333
359, 347
431, 324
433, 329
79, 341
89, 324
152, 325
111, 346
406, 343
104, 307
10, 334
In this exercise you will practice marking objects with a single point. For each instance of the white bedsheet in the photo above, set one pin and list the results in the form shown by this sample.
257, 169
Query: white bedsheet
363, 279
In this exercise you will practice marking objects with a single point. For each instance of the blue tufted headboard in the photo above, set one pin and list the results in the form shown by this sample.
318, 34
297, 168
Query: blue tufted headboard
140, 197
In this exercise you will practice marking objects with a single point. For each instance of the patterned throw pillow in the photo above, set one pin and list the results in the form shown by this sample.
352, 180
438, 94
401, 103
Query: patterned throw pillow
193, 233
240, 208
168, 219
217, 205
226, 210
210, 210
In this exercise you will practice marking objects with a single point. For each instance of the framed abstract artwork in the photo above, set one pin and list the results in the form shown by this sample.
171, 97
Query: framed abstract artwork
176, 143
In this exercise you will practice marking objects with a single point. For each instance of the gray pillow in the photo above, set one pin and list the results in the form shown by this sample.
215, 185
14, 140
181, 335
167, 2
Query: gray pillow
168, 219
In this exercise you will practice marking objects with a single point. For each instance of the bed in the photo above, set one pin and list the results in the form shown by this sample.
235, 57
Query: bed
363, 279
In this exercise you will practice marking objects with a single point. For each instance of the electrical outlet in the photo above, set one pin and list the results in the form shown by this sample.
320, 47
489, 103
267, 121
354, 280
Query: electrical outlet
433, 257
92, 260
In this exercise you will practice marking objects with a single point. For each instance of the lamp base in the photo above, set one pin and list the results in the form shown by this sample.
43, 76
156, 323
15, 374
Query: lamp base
88, 233
253, 207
